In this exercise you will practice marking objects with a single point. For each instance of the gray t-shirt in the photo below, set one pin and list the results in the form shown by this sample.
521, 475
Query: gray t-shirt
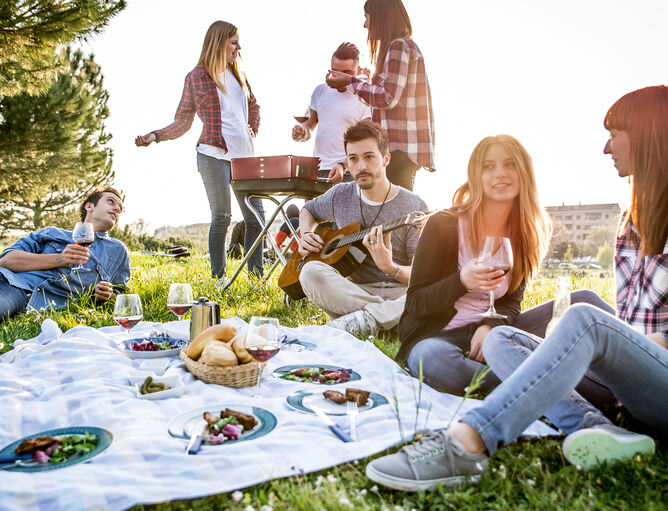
342, 204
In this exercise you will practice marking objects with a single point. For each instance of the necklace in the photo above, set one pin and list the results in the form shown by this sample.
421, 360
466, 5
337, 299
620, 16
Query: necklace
364, 224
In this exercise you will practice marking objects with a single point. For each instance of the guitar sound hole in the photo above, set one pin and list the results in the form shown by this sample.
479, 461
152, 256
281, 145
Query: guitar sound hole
330, 247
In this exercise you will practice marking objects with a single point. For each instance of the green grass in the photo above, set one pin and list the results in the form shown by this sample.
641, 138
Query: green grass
530, 474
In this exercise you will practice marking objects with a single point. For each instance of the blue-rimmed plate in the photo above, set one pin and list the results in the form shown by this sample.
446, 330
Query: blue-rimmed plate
284, 370
297, 345
185, 425
127, 347
104, 440
303, 400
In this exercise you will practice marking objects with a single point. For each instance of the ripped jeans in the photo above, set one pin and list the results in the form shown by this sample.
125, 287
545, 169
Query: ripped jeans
216, 175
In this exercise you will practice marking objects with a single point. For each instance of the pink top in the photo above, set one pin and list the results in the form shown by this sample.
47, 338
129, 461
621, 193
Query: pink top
474, 302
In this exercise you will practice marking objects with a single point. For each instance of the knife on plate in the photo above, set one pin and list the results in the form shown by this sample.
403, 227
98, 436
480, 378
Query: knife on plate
194, 444
330, 424
14, 457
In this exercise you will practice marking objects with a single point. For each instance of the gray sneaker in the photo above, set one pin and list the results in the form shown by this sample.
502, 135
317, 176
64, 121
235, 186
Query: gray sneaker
435, 459
358, 323
588, 448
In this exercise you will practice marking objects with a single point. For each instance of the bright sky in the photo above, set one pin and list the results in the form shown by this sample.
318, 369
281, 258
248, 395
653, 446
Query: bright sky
543, 71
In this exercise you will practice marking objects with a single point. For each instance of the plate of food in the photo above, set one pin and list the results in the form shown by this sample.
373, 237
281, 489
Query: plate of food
334, 402
58, 448
318, 374
153, 347
223, 424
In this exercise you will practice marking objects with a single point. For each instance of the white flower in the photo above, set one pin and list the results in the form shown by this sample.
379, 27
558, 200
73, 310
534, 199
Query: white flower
531, 482
363, 492
478, 466
345, 502
249, 508
266, 508
536, 463
237, 496
319, 481
331, 478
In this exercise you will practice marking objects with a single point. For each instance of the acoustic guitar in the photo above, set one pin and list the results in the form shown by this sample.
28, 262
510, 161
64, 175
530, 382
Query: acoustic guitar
338, 251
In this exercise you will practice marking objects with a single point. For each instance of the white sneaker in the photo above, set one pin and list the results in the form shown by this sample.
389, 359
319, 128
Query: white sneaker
358, 323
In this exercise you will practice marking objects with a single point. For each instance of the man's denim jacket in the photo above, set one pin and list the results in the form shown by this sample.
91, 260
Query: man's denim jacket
109, 260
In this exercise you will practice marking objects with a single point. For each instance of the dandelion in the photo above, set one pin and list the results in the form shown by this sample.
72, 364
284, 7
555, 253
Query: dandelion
638, 459
237, 496
598, 480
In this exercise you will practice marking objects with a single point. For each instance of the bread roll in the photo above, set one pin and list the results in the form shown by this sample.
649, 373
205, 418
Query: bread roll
240, 350
217, 353
222, 332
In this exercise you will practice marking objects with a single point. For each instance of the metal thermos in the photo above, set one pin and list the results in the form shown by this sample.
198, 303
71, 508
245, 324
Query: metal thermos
203, 315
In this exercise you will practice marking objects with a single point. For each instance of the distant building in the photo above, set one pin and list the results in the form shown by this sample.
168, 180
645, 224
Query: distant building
575, 223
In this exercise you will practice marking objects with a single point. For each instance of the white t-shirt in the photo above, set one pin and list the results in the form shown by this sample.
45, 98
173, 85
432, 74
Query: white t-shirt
336, 111
234, 122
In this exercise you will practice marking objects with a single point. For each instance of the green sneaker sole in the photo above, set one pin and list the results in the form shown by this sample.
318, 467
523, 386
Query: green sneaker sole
399, 483
588, 448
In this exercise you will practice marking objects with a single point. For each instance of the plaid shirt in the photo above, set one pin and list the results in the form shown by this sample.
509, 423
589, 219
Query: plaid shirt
200, 95
642, 285
400, 100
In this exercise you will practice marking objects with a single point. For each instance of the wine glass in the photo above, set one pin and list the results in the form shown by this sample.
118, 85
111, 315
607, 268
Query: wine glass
498, 253
262, 343
180, 299
83, 235
128, 312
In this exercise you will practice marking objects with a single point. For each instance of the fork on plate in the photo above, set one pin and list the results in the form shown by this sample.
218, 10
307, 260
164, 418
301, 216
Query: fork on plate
19, 463
352, 411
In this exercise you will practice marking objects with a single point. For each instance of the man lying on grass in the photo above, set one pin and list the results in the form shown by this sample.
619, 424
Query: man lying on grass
38, 271
628, 354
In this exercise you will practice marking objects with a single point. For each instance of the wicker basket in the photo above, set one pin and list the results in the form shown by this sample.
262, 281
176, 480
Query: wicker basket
244, 375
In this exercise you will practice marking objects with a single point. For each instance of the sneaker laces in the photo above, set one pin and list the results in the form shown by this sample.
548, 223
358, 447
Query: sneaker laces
432, 445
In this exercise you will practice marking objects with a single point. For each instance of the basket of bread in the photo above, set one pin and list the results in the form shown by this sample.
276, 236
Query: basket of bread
218, 355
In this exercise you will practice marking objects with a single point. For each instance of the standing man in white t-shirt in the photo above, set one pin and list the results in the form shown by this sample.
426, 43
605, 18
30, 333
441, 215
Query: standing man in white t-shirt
332, 113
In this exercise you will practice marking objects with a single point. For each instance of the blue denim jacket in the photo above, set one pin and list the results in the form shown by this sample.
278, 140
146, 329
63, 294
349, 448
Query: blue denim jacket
109, 260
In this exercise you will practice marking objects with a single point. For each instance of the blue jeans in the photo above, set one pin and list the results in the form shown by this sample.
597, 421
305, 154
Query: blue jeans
13, 300
446, 366
216, 175
631, 365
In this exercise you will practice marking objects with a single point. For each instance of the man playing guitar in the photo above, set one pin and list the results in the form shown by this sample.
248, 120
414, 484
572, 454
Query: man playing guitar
372, 298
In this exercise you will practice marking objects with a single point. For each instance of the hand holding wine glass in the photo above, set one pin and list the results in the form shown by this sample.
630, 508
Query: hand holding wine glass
262, 343
83, 235
128, 312
496, 252
180, 299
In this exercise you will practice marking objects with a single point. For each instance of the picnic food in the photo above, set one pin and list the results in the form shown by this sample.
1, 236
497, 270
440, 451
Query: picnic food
217, 353
359, 396
147, 345
48, 449
222, 332
318, 375
148, 387
240, 350
228, 426
335, 395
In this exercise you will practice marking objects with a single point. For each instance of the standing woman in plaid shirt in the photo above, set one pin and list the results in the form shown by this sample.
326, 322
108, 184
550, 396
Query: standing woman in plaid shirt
399, 94
217, 90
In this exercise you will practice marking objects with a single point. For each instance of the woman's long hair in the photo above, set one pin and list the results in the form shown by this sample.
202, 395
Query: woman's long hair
643, 115
530, 226
214, 54
388, 20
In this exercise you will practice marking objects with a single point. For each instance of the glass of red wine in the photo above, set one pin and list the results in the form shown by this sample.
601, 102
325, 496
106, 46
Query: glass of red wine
262, 343
128, 312
498, 253
83, 235
180, 299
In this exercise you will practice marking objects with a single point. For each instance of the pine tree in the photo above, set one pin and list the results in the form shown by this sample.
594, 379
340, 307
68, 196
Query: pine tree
33, 33
53, 147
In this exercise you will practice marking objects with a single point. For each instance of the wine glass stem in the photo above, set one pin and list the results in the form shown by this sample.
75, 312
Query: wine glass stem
491, 302
259, 379
127, 334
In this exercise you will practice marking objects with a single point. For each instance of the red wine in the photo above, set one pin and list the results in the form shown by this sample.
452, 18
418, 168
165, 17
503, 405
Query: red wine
262, 353
179, 310
83, 243
128, 322
505, 269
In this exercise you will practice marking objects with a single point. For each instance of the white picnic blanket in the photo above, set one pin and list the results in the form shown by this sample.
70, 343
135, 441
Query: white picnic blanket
80, 379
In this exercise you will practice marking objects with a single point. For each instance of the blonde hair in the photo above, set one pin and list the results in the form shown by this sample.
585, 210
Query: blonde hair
214, 54
530, 226
643, 115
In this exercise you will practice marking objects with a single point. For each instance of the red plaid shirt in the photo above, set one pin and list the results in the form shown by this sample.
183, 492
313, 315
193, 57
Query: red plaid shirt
400, 100
200, 95
642, 285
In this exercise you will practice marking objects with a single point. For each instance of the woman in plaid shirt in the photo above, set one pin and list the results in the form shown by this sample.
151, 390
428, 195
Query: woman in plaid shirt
218, 92
399, 94
627, 353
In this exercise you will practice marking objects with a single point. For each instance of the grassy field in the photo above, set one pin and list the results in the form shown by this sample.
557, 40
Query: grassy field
531, 474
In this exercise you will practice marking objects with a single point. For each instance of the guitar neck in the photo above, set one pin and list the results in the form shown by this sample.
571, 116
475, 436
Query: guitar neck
358, 236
